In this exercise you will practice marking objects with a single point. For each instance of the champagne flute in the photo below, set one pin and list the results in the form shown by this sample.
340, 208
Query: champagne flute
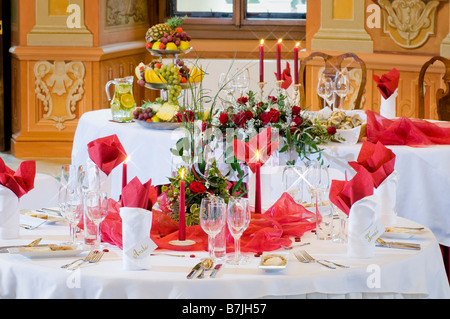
73, 209
341, 86
238, 219
96, 211
212, 219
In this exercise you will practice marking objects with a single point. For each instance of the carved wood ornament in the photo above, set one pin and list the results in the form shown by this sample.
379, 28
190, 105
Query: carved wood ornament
409, 22
59, 78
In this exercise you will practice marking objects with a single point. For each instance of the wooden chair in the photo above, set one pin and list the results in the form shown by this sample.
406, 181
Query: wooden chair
332, 65
442, 97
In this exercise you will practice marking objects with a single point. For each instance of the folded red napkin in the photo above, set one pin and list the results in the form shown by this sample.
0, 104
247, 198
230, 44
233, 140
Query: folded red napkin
259, 148
345, 193
286, 77
136, 194
404, 131
388, 83
377, 159
21, 181
107, 152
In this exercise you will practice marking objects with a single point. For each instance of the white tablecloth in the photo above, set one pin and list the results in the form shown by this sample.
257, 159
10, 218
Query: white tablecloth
392, 273
424, 173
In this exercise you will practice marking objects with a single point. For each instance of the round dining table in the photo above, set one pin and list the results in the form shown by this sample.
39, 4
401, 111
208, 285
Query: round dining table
391, 273
424, 173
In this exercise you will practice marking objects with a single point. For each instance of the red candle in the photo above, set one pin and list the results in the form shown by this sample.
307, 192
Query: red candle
258, 185
261, 61
279, 59
296, 63
182, 211
124, 173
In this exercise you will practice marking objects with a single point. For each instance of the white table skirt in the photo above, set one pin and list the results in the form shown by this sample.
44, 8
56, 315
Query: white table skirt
401, 274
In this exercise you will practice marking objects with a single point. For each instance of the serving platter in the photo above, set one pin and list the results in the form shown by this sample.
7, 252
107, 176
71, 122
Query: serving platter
159, 125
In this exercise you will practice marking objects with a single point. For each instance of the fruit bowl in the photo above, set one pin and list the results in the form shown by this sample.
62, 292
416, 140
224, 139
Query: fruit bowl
164, 86
159, 125
168, 52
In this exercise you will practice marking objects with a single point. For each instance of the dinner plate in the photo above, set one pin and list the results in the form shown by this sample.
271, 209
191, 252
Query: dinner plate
401, 232
46, 252
159, 125
271, 261
41, 215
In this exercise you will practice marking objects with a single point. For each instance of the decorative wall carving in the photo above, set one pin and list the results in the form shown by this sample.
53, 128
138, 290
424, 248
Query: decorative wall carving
59, 79
124, 12
409, 22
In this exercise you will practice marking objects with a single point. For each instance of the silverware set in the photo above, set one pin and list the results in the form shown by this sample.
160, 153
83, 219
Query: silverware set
94, 256
204, 266
411, 246
304, 257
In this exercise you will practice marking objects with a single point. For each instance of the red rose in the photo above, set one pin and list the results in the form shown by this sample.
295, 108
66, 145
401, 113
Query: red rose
331, 130
296, 110
242, 100
272, 99
297, 121
223, 118
274, 115
197, 187
187, 116
239, 119
265, 118
248, 115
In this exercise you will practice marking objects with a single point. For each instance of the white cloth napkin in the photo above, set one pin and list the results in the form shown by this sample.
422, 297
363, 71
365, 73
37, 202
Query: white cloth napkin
388, 106
364, 226
388, 194
9, 214
136, 242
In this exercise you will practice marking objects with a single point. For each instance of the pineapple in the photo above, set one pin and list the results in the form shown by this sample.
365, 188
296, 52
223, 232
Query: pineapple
167, 111
157, 31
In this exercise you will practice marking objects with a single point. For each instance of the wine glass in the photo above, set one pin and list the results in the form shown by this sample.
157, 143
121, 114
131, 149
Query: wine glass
241, 81
238, 219
341, 86
212, 219
225, 83
68, 173
73, 207
325, 89
96, 210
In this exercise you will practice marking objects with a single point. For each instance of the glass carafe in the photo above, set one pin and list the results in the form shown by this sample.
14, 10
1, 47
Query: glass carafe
122, 103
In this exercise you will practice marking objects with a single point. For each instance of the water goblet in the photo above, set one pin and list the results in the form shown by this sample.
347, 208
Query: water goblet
238, 219
73, 208
225, 83
325, 89
96, 210
212, 220
342, 86
241, 81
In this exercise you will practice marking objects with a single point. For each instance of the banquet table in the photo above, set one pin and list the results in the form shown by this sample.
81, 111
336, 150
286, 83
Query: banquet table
391, 273
424, 173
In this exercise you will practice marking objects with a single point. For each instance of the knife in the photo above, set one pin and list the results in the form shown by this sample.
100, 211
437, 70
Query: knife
34, 243
401, 245
216, 270
194, 270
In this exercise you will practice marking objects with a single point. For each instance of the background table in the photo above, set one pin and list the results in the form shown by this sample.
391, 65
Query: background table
424, 173
401, 274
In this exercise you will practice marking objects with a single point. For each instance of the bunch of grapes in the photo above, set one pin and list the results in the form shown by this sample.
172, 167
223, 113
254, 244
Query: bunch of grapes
183, 70
143, 113
175, 36
170, 73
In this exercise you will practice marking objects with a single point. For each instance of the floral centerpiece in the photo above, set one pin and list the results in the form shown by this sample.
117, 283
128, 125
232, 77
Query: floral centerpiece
297, 130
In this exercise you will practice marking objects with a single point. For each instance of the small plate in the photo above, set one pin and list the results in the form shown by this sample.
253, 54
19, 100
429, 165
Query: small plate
41, 215
47, 252
159, 125
273, 261
401, 232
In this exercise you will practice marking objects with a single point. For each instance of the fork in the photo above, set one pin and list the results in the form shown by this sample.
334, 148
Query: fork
90, 255
30, 227
311, 259
92, 260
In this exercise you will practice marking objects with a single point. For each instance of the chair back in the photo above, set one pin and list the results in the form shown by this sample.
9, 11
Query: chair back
333, 64
442, 97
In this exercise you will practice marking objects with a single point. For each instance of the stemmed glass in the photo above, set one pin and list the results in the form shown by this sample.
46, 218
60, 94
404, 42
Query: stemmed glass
325, 89
96, 210
212, 219
341, 86
225, 83
241, 81
238, 219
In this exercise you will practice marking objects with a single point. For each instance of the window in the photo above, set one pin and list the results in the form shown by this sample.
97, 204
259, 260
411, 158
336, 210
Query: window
240, 19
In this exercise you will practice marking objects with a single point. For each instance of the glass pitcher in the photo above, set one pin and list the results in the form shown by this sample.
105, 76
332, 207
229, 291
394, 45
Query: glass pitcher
122, 103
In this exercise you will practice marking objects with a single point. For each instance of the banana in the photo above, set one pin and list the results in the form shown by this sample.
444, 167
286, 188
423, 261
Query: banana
196, 75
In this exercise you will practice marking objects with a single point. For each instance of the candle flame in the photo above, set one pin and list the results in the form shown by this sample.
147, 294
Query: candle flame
258, 155
127, 159
262, 41
298, 44
280, 40
182, 172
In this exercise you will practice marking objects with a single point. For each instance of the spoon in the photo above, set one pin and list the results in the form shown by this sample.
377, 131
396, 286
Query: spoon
207, 264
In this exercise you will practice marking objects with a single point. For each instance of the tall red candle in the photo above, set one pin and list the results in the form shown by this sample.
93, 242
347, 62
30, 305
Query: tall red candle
124, 173
182, 211
258, 185
296, 63
261, 61
279, 59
